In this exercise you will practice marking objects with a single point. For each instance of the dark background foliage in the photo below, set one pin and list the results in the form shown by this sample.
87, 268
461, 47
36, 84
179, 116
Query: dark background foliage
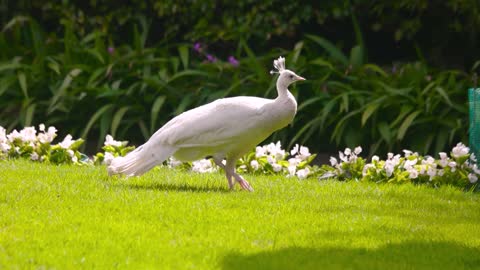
382, 74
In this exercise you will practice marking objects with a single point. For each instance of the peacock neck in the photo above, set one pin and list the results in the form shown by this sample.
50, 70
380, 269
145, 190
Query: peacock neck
282, 90
284, 96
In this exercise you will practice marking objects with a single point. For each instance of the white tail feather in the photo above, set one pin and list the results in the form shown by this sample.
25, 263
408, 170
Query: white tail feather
140, 160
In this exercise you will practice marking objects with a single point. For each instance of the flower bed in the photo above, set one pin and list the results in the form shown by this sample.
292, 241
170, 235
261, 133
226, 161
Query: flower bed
458, 169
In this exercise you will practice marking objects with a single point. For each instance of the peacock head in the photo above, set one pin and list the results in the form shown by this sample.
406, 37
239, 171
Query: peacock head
286, 77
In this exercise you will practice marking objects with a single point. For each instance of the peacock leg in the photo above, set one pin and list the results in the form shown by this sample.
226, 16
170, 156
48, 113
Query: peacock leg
243, 183
228, 171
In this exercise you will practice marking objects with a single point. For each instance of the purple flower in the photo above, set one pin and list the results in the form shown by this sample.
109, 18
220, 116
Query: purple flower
111, 50
211, 58
197, 47
234, 62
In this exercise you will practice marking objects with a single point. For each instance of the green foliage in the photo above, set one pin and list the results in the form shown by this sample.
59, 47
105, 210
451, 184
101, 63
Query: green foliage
90, 88
406, 105
83, 85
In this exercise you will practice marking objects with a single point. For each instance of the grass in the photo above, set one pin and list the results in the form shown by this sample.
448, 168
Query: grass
68, 217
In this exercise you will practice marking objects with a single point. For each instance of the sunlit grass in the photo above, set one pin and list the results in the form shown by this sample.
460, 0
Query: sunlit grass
68, 217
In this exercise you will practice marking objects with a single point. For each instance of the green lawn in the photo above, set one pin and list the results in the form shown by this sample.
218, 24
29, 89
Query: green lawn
68, 217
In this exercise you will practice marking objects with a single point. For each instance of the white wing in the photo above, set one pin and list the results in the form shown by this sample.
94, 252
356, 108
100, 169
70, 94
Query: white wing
221, 122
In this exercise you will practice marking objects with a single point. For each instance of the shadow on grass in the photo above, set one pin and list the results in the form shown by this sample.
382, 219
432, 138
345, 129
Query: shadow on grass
184, 187
407, 255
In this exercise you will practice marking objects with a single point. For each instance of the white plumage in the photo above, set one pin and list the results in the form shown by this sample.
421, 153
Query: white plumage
224, 129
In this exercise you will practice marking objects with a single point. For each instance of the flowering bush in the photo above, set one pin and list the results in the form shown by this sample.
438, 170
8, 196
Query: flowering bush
266, 159
458, 169
38, 146
112, 149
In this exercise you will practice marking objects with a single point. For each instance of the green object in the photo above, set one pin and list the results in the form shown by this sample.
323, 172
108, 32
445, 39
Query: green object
474, 127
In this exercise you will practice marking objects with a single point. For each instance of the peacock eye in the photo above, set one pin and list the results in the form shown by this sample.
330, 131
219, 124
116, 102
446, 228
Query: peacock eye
291, 77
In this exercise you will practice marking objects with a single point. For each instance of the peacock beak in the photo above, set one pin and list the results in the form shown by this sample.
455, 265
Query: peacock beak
300, 78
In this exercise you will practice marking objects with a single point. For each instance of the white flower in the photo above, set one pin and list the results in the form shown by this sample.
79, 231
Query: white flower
375, 159
294, 161
472, 157
67, 142
389, 168
280, 154
254, 164
409, 163
260, 151
366, 168
440, 172
475, 169
3, 136
294, 150
203, 166
357, 150
407, 152
14, 135
333, 161
303, 173
107, 159
28, 134
276, 167
171, 163
431, 172
4, 147
48, 136
442, 155
443, 162
292, 170
74, 159
472, 178
70, 153
34, 156
389, 155
452, 165
460, 150
110, 141
41, 127
273, 149
413, 173
304, 152
271, 160
347, 151
342, 157
429, 161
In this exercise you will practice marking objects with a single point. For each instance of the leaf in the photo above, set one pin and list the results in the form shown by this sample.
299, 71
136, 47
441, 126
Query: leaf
22, 80
7, 66
403, 112
29, 113
406, 124
96, 54
94, 118
117, 119
371, 108
331, 49
188, 73
54, 66
296, 51
444, 94
183, 51
321, 62
157, 105
376, 68
61, 90
6, 82
356, 56
385, 132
